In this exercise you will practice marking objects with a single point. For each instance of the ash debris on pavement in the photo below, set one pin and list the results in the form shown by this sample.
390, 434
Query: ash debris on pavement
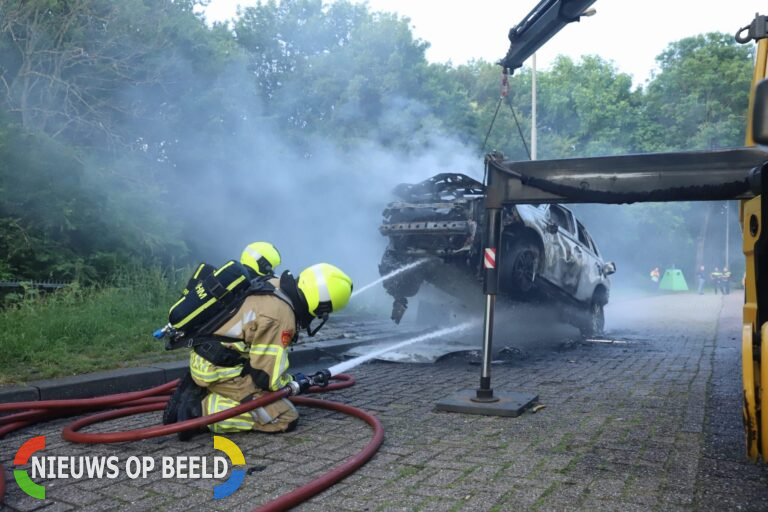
520, 330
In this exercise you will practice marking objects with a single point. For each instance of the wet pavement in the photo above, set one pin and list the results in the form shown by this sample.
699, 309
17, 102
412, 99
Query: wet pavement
647, 418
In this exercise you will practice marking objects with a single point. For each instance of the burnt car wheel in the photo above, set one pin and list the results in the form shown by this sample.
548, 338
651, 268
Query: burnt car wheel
595, 321
519, 269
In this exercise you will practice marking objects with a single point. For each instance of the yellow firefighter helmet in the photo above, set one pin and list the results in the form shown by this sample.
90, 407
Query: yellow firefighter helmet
261, 257
325, 287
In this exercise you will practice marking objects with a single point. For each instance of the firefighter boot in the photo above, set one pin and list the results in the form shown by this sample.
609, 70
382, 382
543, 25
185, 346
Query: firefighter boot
190, 407
185, 404
170, 414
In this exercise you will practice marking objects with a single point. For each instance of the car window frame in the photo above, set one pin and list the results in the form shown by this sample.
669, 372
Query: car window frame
591, 243
568, 215
580, 229
594, 246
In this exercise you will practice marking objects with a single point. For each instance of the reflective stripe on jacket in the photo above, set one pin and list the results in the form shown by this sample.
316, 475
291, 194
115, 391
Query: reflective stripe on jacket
273, 359
204, 371
266, 325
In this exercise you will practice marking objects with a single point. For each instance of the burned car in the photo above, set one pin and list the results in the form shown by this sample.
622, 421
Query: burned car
546, 254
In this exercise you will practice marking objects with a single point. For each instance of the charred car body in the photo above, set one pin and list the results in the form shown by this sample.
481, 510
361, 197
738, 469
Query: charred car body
546, 254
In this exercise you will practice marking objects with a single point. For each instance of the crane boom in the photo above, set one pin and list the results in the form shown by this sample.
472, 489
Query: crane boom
544, 21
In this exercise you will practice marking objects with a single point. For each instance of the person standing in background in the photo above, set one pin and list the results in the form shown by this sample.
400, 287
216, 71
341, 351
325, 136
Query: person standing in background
701, 277
716, 277
725, 281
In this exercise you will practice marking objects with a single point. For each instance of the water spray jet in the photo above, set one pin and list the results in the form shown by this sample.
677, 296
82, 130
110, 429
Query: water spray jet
346, 365
390, 275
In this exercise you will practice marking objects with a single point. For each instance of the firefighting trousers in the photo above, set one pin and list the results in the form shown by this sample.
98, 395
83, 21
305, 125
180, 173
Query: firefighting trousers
275, 417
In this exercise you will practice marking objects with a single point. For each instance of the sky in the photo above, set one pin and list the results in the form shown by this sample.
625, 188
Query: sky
631, 34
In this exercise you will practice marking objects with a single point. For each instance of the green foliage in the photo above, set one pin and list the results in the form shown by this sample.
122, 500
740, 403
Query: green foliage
583, 109
338, 69
480, 83
70, 219
591, 105
41, 227
699, 99
80, 329
117, 115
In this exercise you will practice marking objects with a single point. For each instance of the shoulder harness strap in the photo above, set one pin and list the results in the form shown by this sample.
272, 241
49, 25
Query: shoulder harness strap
262, 286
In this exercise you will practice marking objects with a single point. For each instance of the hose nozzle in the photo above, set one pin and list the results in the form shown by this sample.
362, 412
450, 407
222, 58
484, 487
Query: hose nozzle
321, 378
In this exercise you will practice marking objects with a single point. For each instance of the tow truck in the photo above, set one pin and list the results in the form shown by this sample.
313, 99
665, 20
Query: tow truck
723, 174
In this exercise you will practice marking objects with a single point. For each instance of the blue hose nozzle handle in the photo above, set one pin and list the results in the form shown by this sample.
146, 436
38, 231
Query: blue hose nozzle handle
160, 333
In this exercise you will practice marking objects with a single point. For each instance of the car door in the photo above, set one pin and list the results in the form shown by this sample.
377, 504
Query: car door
591, 273
565, 259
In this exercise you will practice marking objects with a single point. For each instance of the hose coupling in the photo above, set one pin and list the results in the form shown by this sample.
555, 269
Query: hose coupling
295, 388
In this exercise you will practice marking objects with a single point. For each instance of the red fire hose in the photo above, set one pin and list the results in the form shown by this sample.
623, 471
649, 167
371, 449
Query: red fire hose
154, 399
71, 433
338, 473
82, 403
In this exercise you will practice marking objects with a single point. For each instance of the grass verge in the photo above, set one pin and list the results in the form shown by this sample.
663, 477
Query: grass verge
78, 330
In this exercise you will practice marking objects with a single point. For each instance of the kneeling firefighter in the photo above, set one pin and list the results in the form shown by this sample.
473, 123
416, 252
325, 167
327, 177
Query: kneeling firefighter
241, 353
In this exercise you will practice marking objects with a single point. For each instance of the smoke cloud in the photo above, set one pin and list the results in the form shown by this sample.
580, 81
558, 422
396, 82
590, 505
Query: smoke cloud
316, 200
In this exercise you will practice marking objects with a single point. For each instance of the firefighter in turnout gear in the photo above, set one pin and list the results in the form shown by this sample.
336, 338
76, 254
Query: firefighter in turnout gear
725, 281
716, 276
248, 354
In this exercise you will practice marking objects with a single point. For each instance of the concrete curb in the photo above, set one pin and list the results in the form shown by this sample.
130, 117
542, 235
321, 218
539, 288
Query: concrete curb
133, 379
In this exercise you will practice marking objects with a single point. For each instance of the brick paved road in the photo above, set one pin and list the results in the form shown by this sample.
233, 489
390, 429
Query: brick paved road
650, 424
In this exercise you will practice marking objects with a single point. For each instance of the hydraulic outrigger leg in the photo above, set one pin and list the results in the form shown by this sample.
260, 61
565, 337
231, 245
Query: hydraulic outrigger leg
484, 401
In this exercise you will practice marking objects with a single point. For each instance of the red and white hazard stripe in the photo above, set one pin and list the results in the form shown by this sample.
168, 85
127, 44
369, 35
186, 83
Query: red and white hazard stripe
490, 258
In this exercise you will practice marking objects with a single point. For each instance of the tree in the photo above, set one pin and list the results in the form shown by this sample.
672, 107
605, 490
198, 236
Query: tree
338, 71
586, 109
81, 69
82, 81
699, 98
127, 126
